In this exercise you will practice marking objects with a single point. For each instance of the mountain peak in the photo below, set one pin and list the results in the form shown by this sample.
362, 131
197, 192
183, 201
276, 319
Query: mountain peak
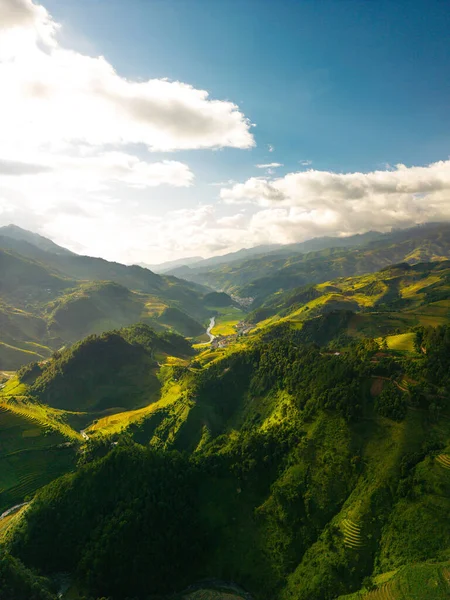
24, 235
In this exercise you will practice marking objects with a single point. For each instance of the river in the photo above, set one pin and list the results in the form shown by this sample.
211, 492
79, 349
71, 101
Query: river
212, 322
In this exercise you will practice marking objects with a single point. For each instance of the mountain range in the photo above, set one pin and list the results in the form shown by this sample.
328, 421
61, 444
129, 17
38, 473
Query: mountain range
304, 454
322, 259
50, 297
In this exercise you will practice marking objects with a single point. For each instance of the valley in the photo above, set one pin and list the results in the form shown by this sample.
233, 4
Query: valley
298, 447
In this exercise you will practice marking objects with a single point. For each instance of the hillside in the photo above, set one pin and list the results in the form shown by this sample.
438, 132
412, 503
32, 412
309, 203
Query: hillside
273, 250
34, 240
307, 475
89, 268
267, 274
303, 455
49, 298
397, 297
115, 370
44, 407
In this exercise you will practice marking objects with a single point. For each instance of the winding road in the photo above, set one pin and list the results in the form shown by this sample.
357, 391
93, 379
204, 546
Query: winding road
12, 510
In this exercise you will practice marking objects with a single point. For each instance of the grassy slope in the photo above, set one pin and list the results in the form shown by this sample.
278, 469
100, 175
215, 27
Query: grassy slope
31, 430
226, 320
389, 302
420, 581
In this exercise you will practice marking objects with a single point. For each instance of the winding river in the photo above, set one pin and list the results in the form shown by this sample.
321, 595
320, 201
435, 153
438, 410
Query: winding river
212, 322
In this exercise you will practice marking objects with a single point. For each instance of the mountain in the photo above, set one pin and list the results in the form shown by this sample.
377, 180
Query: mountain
303, 473
22, 235
50, 298
267, 274
89, 268
314, 244
304, 454
114, 369
243, 253
411, 293
171, 264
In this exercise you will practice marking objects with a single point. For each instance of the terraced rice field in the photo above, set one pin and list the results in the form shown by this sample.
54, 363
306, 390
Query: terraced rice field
226, 320
352, 533
41, 415
116, 422
444, 461
386, 592
30, 457
403, 342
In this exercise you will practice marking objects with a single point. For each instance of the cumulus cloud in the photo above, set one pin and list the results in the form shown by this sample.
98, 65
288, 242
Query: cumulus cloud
55, 96
76, 139
281, 210
23, 22
315, 202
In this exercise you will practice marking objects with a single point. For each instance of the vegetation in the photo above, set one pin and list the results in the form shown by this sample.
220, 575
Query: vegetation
115, 369
20, 583
298, 482
270, 272
308, 459
50, 298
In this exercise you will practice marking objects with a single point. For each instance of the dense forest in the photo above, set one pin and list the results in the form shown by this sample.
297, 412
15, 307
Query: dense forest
299, 443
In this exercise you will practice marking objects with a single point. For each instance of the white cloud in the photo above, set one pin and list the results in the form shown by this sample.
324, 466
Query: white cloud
76, 138
283, 210
313, 202
51, 95
72, 164
273, 165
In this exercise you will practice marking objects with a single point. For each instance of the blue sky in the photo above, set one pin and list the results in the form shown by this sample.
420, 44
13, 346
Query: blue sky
349, 86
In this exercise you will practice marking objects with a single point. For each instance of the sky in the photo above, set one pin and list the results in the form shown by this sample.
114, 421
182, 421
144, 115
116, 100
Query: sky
150, 130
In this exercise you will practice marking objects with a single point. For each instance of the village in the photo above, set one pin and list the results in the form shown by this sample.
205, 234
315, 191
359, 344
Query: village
222, 341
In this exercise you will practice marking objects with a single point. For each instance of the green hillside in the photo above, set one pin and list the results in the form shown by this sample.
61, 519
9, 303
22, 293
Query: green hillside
51, 298
116, 370
45, 406
31, 455
389, 302
304, 474
269, 273
303, 455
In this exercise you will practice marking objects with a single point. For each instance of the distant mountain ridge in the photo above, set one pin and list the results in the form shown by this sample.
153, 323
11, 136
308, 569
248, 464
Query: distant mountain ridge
43, 243
261, 276
171, 264
50, 297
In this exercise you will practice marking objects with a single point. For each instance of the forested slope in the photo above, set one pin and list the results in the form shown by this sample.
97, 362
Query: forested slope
307, 475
